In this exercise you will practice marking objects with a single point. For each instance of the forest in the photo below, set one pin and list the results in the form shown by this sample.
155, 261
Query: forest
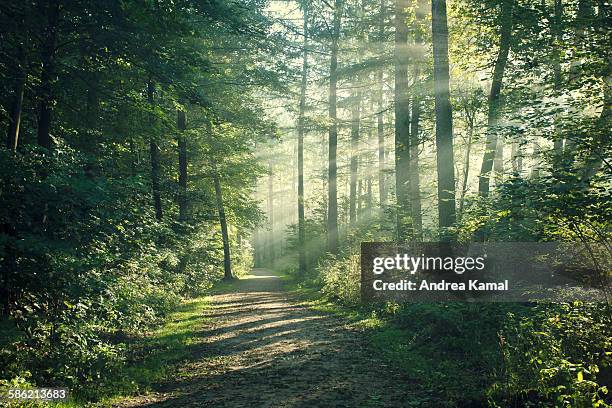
165, 161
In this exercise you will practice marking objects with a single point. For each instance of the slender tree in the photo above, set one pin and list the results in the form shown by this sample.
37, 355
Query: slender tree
332, 205
300, 149
227, 262
380, 126
155, 159
414, 177
444, 118
181, 124
495, 96
402, 119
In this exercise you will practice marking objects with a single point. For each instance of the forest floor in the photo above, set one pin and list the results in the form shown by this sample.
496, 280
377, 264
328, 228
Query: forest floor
259, 346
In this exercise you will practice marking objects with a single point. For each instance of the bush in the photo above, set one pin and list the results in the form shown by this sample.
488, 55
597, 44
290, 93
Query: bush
560, 355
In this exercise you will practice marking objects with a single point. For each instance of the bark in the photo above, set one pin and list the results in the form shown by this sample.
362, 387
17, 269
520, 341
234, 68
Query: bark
402, 120
45, 107
227, 262
300, 153
494, 97
332, 204
444, 119
155, 160
181, 124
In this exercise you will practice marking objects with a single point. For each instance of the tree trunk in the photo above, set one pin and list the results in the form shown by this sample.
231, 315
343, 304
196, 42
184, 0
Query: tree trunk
12, 138
557, 31
300, 153
227, 262
414, 178
466, 166
380, 129
355, 125
517, 156
444, 119
402, 120
494, 97
535, 170
332, 204
45, 107
181, 124
271, 252
154, 152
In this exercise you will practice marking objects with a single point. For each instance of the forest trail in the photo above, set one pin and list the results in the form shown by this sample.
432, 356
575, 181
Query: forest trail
260, 348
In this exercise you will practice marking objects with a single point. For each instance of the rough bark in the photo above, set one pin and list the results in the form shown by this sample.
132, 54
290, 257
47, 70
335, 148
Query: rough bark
332, 199
495, 97
444, 119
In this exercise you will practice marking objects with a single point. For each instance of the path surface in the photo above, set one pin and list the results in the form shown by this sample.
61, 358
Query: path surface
261, 349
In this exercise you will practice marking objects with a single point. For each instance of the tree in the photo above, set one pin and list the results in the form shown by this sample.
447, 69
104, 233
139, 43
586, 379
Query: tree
300, 149
444, 119
332, 217
402, 120
495, 96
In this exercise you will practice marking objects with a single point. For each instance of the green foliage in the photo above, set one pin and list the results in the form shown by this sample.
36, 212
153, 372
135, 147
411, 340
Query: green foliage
559, 355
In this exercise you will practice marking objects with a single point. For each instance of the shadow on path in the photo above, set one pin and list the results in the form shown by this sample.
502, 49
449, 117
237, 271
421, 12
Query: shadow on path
261, 350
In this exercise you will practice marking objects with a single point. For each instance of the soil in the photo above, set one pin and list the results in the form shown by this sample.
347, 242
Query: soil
261, 348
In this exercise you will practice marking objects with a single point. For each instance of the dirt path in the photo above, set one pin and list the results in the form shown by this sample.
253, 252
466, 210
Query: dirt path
263, 350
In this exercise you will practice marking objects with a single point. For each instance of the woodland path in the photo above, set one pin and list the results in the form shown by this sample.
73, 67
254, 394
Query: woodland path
260, 348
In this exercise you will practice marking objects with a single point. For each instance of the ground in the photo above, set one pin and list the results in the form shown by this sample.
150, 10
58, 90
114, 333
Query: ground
260, 347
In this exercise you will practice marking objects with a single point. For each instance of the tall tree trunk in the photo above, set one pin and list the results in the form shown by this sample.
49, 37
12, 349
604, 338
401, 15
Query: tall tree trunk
557, 31
154, 152
402, 120
45, 107
300, 152
271, 249
414, 178
380, 129
332, 205
368, 166
494, 97
444, 119
227, 262
181, 124
355, 125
